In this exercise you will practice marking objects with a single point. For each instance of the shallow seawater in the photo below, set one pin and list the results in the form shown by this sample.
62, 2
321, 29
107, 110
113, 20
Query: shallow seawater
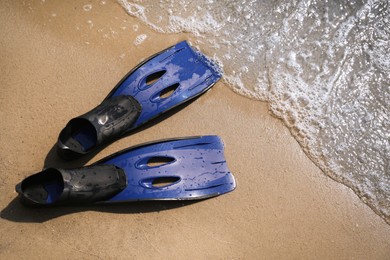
322, 66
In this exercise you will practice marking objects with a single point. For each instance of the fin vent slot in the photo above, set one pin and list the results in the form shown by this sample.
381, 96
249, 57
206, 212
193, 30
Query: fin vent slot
153, 162
167, 92
159, 161
164, 181
152, 78
159, 182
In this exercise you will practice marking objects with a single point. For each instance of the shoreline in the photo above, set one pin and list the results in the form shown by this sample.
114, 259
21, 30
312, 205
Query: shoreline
283, 206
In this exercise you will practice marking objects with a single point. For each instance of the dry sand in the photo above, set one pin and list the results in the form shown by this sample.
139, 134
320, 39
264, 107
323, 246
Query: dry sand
58, 61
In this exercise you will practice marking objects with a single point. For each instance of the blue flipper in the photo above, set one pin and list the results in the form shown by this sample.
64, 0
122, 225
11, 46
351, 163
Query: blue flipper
176, 169
160, 83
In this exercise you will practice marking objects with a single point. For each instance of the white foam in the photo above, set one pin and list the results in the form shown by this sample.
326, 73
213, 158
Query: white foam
87, 7
140, 39
194, 24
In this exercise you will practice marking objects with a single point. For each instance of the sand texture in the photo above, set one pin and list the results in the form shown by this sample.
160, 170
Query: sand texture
58, 61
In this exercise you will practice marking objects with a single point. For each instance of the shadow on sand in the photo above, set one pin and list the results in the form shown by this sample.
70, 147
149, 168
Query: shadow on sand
17, 212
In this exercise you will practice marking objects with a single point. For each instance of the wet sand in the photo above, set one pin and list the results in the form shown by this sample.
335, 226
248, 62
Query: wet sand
58, 61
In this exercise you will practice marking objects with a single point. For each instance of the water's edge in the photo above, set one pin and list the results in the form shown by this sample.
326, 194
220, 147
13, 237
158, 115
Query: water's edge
322, 67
